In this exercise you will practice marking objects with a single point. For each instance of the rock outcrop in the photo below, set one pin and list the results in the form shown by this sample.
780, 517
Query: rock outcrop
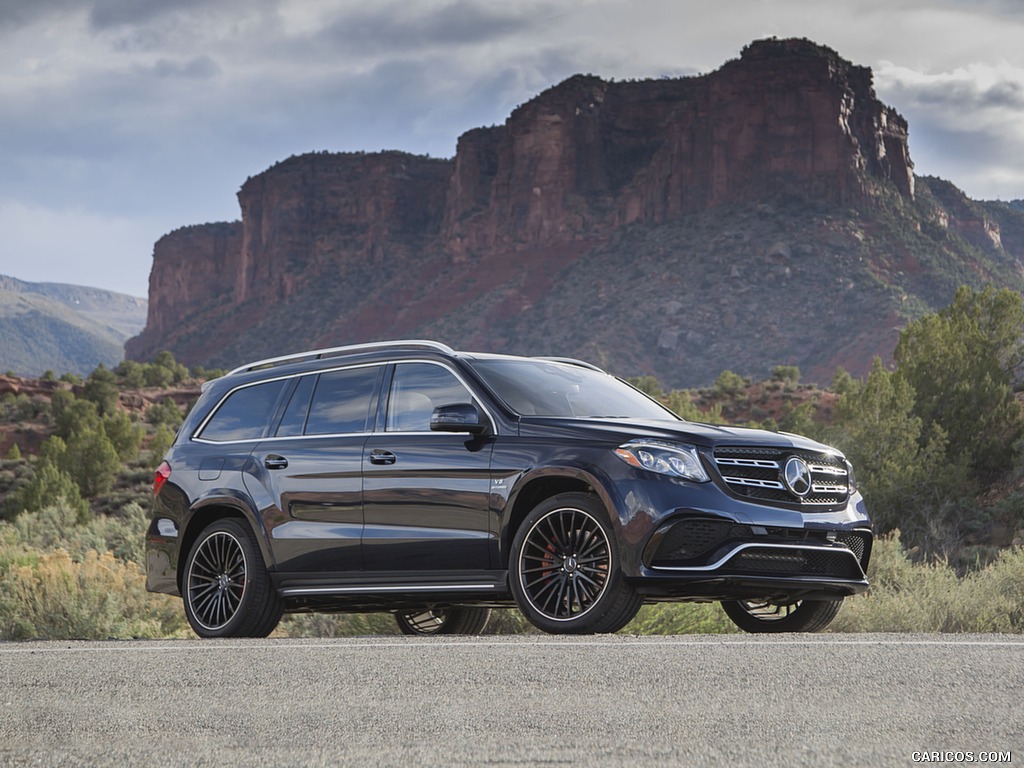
339, 248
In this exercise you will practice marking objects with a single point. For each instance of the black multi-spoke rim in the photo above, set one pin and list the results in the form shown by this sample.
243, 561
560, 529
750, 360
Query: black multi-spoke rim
425, 622
216, 580
565, 564
768, 611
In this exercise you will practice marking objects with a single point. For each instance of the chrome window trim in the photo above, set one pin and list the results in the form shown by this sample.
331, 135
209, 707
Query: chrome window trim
220, 403
197, 438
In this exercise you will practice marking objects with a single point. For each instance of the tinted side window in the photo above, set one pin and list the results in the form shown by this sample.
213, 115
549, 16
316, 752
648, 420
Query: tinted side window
416, 390
341, 402
244, 414
294, 419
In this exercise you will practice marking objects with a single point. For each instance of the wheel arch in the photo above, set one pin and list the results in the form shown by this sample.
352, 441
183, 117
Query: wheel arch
542, 484
209, 510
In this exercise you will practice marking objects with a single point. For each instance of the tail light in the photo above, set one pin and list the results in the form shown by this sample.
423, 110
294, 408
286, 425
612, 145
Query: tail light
163, 472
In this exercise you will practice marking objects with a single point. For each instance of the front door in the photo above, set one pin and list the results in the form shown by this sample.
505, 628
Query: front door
425, 494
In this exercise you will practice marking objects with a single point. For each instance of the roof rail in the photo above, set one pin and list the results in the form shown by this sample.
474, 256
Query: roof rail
573, 361
317, 354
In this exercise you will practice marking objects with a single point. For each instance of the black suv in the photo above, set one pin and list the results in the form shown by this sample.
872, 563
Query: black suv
434, 484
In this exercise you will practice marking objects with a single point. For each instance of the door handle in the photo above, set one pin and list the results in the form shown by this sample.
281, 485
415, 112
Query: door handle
379, 456
275, 462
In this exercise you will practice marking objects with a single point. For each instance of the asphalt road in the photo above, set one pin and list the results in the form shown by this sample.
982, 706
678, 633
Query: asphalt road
821, 700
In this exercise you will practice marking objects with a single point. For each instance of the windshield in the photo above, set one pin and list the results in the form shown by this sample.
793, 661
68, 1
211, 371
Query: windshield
540, 388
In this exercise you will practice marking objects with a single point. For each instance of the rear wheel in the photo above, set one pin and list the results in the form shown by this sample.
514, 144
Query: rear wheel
564, 569
443, 621
769, 616
226, 590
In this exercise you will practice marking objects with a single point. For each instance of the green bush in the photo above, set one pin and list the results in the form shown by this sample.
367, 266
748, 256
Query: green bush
681, 619
166, 412
159, 445
125, 436
48, 485
930, 597
98, 597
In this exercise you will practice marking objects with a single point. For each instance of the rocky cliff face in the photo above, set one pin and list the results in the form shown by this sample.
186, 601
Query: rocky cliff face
545, 234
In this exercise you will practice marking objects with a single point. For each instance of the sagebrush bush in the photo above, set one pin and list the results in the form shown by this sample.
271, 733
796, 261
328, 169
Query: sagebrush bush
503, 621
930, 597
98, 597
680, 619
57, 527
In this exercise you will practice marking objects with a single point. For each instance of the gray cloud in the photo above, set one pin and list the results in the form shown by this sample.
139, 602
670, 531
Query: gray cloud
106, 14
157, 110
400, 27
198, 68
960, 94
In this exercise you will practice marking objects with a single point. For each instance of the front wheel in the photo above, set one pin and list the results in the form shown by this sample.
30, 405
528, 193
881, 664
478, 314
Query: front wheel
443, 621
564, 569
768, 616
227, 591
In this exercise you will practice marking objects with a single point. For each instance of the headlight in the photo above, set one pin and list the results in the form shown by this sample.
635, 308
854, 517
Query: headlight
851, 481
664, 458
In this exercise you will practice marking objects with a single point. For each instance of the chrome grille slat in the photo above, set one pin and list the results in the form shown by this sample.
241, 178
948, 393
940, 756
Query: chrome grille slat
754, 473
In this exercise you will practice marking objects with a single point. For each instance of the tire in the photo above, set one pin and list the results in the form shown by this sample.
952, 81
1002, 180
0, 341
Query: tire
443, 621
765, 616
564, 569
226, 588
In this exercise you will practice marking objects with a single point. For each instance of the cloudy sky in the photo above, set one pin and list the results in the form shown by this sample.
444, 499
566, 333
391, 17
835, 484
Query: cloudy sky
121, 120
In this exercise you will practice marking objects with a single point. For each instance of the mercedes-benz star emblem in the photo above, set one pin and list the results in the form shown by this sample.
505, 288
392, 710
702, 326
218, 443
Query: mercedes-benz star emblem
797, 476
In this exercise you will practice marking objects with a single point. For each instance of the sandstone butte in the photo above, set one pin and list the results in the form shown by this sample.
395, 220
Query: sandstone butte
765, 213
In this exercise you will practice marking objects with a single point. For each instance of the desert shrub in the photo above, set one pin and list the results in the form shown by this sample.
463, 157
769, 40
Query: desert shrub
125, 436
503, 621
92, 461
680, 619
337, 625
73, 415
98, 597
789, 374
48, 485
101, 389
165, 412
929, 596
163, 436
729, 383
57, 526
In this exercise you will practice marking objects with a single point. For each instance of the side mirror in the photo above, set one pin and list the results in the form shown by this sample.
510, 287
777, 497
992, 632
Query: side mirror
459, 417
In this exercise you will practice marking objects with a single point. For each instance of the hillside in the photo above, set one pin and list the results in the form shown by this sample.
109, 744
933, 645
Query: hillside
766, 213
63, 328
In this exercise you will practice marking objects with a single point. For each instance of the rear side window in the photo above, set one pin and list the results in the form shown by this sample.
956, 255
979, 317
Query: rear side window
341, 402
294, 419
244, 414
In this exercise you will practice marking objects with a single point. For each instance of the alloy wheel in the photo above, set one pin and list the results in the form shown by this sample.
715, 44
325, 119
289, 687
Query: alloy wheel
564, 565
217, 580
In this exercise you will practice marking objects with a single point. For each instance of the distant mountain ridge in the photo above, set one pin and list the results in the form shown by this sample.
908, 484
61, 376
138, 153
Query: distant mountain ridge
64, 328
766, 213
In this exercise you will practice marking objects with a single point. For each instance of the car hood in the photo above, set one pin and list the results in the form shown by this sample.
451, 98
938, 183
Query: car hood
695, 433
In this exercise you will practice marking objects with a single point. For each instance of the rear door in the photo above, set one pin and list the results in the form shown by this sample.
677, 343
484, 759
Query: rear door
311, 470
425, 494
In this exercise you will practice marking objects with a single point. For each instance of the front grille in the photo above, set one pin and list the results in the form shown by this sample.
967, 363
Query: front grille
798, 562
758, 474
